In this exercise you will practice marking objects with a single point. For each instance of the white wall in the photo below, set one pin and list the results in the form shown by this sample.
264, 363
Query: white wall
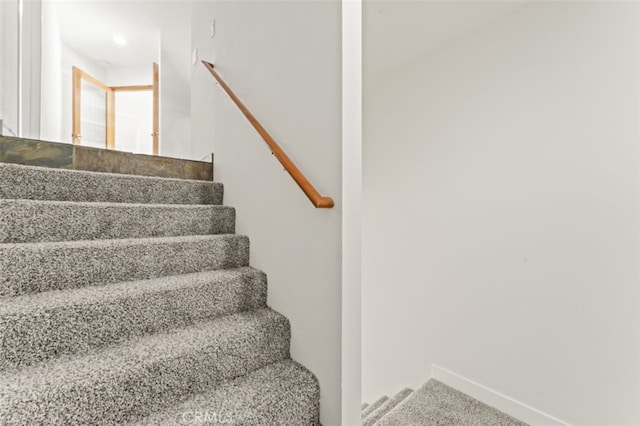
175, 92
5, 62
128, 76
351, 210
30, 69
283, 59
20, 67
9, 66
51, 103
134, 122
501, 214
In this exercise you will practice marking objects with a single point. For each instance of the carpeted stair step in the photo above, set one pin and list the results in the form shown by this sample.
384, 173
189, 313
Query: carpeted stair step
363, 406
42, 183
283, 393
38, 267
48, 221
42, 326
134, 379
374, 406
437, 404
381, 411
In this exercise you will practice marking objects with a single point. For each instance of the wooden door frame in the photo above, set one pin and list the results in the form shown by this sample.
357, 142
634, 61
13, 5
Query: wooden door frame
79, 75
156, 109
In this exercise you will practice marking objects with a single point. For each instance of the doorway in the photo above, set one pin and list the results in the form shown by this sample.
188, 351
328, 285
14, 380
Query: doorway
102, 114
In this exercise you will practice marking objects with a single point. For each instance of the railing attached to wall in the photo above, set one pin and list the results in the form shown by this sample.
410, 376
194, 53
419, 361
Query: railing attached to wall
310, 191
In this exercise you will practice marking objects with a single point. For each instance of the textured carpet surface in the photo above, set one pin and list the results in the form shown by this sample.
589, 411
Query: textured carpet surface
40, 183
24, 221
437, 404
281, 394
37, 267
374, 406
130, 299
381, 411
132, 379
41, 326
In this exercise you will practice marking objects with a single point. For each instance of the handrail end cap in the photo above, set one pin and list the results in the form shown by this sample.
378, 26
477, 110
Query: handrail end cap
325, 203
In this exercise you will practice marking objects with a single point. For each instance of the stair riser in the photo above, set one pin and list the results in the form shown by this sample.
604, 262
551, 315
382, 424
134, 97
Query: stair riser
134, 390
34, 335
39, 183
33, 268
78, 157
45, 221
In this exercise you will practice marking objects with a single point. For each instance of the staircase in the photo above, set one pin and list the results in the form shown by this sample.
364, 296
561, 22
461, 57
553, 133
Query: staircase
433, 404
130, 300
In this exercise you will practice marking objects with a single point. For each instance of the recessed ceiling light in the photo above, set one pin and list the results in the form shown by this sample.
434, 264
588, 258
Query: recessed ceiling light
119, 39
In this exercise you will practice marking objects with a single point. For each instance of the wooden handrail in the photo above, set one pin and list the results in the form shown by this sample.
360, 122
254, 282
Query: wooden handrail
304, 184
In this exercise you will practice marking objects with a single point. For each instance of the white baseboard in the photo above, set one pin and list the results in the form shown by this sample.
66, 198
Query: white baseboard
495, 399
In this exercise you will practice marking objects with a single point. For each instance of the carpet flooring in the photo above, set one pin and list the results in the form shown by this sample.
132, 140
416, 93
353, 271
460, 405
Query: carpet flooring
435, 404
130, 300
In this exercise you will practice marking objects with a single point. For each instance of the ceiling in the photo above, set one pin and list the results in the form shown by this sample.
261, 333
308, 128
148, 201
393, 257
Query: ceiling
398, 33
89, 26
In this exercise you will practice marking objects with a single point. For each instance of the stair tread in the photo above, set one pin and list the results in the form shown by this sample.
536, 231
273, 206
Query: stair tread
124, 289
27, 201
53, 170
44, 266
138, 376
41, 326
25, 221
131, 354
116, 242
386, 407
374, 406
17, 182
436, 403
283, 393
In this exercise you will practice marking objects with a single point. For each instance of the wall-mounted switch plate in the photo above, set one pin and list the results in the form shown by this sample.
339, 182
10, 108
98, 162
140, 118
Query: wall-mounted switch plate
194, 57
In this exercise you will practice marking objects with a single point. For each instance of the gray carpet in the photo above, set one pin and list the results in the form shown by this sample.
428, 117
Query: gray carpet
25, 221
129, 299
373, 406
261, 398
37, 267
40, 183
41, 326
436, 404
388, 405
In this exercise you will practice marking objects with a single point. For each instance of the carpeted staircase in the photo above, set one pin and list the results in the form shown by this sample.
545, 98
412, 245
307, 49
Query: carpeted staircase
433, 404
129, 300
